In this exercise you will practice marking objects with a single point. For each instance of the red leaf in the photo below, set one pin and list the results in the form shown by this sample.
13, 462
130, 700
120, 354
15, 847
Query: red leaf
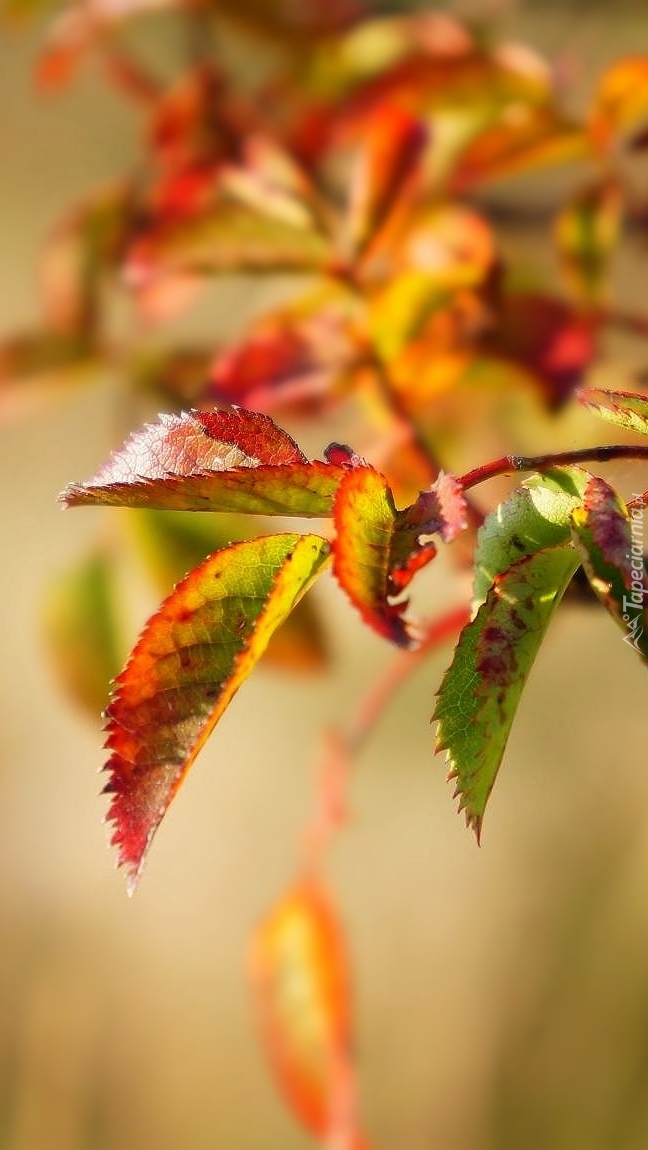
212, 461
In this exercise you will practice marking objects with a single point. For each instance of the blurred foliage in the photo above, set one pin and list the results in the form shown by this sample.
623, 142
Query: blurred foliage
356, 159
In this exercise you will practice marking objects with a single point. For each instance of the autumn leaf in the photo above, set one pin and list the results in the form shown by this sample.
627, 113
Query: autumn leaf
191, 659
228, 237
587, 231
620, 103
624, 408
378, 550
387, 165
481, 690
300, 979
548, 338
173, 542
524, 138
611, 545
229, 461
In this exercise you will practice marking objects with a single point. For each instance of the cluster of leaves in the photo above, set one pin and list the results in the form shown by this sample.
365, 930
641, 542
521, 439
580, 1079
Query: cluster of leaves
354, 171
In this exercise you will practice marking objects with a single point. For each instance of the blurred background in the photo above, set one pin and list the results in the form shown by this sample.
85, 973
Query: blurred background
501, 993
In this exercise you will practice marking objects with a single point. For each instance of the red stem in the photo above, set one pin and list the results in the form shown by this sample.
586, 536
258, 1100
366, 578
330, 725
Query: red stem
507, 464
341, 746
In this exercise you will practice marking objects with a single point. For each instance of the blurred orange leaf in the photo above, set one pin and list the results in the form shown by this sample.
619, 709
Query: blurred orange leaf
300, 978
387, 166
620, 102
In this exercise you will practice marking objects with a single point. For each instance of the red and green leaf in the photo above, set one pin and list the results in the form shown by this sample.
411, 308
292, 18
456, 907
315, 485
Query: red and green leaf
378, 549
624, 408
481, 690
173, 542
233, 461
611, 546
587, 231
188, 664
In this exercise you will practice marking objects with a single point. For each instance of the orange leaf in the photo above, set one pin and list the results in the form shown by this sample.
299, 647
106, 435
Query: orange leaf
298, 966
378, 550
620, 102
387, 167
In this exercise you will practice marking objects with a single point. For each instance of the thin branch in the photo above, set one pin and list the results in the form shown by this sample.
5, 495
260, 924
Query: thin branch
341, 747
508, 464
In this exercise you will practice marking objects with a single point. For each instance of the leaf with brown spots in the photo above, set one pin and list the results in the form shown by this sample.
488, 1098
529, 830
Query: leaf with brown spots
481, 690
188, 664
612, 549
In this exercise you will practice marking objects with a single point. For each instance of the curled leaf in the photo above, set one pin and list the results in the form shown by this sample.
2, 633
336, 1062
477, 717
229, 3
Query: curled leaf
188, 664
378, 549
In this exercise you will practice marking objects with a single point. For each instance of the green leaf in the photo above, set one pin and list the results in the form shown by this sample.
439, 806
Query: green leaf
537, 515
611, 544
188, 664
82, 631
481, 690
624, 408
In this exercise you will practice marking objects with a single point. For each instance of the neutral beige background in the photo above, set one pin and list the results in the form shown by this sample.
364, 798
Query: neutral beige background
502, 992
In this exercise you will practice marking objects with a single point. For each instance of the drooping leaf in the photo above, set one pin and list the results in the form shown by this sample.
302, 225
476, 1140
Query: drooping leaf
378, 550
82, 629
230, 461
173, 542
625, 408
611, 543
587, 230
481, 690
188, 664
300, 979
536, 516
